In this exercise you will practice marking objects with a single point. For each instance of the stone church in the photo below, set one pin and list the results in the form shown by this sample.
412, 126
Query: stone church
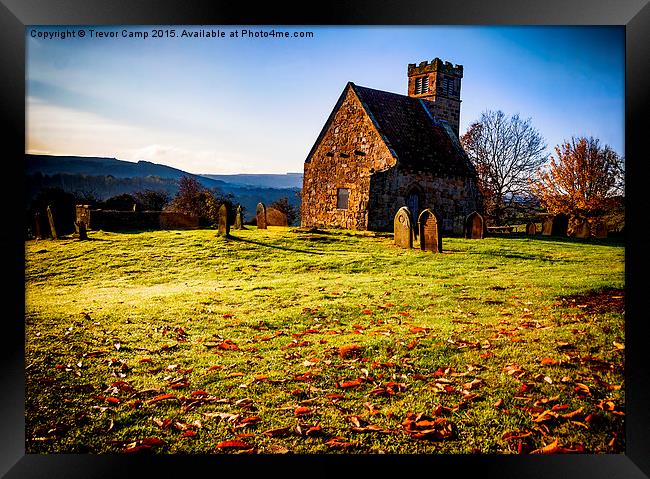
379, 151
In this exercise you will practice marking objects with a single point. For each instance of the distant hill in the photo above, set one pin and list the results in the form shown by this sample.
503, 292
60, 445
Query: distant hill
288, 180
106, 177
97, 166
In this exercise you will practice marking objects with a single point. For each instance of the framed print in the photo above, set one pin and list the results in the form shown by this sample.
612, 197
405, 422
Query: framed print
400, 237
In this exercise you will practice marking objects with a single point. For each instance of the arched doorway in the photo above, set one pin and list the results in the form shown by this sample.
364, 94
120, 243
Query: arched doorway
414, 200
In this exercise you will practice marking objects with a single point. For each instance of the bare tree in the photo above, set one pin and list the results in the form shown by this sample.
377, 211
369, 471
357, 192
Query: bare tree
506, 152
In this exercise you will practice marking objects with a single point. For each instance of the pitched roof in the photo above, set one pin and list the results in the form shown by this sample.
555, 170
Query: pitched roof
415, 137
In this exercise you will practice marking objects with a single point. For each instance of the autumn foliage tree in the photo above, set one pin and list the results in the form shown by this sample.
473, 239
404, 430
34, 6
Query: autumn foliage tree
506, 152
580, 180
195, 199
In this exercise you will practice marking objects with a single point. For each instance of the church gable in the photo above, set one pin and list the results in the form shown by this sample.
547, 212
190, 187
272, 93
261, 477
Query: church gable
337, 171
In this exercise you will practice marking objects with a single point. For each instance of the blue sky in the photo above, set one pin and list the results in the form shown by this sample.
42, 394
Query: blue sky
256, 105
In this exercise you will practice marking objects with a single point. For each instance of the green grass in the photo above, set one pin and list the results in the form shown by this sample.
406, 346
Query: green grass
256, 322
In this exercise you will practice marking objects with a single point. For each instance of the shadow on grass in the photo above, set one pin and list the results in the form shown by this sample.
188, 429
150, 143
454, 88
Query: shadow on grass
610, 241
259, 243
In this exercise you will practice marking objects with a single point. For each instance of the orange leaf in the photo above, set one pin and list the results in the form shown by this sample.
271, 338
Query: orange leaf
350, 384
302, 410
152, 441
349, 350
233, 444
188, 433
162, 397
548, 449
548, 361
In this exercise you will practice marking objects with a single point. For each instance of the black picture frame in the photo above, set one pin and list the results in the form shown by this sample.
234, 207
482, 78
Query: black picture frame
634, 15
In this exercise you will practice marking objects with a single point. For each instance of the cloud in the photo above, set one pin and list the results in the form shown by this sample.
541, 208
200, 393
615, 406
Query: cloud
58, 130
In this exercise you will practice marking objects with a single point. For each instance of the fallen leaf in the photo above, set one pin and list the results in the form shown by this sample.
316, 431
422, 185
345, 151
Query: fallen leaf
350, 384
162, 397
351, 350
233, 444
278, 432
302, 411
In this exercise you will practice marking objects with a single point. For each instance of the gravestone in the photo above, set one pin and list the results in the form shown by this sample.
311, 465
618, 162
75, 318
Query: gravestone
474, 226
239, 218
560, 225
224, 226
581, 228
402, 228
260, 215
430, 238
600, 230
83, 215
547, 227
37, 226
50, 218
81, 230
531, 229
276, 217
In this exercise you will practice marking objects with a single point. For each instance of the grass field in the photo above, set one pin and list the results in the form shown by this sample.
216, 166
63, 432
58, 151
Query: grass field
274, 341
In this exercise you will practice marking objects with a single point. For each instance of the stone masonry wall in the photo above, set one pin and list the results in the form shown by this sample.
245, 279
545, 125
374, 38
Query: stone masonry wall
451, 198
347, 155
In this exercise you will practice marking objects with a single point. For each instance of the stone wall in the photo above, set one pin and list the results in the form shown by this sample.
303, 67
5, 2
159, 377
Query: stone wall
111, 220
349, 152
450, 198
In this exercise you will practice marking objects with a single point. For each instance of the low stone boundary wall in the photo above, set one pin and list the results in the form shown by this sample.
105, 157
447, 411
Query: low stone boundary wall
111, 220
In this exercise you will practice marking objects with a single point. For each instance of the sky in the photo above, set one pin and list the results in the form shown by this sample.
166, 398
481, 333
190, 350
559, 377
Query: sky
222, 105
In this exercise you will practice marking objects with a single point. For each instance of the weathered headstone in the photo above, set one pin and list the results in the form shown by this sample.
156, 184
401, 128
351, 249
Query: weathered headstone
260, 215
474, 226
83, 215
224, 226
50, 218
600, 230
531, 229
430, 238
402, 228
239, 218
276, 217
37, 226
581, 228
547, 227
81, 230
560, 225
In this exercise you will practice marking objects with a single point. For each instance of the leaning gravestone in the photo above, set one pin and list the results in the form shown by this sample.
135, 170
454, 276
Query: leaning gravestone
37, 226
560, 225
260, 215
430, 239
531, 229
50, 218
402, 229
239, 218
474, 226
224, 226
276, 217
547, 227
